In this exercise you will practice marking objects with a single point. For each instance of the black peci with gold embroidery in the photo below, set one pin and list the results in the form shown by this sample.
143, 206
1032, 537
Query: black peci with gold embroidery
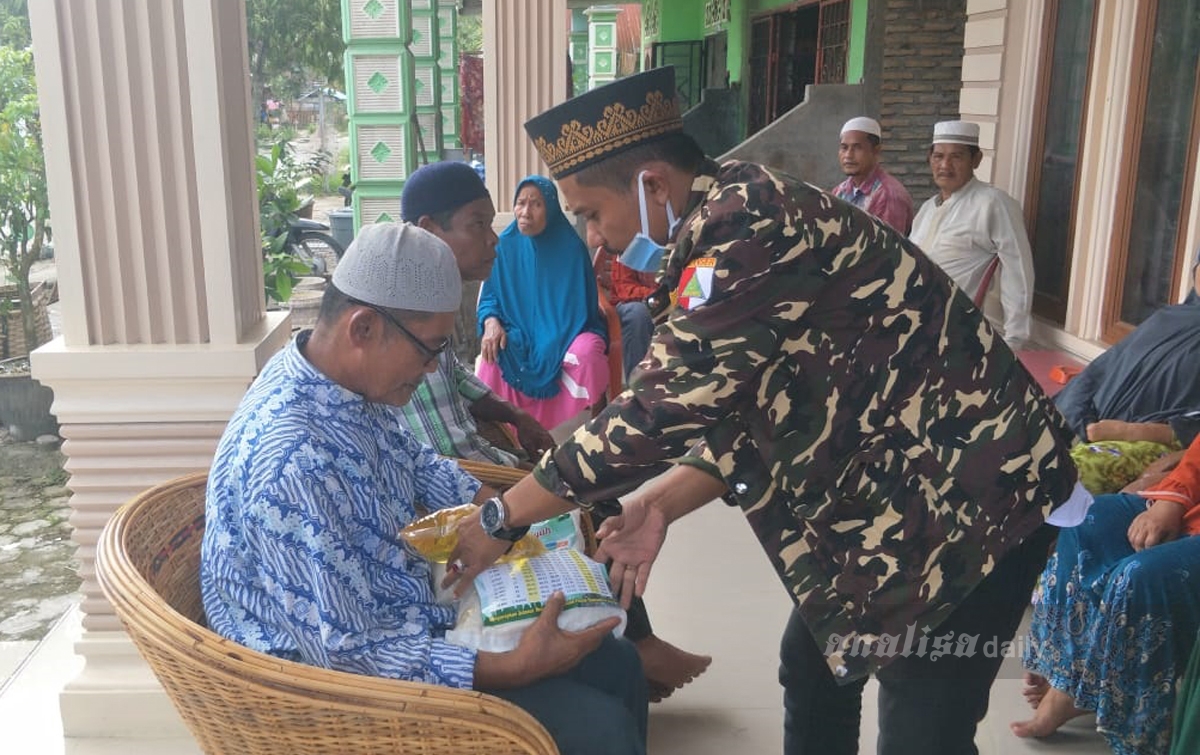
600, 123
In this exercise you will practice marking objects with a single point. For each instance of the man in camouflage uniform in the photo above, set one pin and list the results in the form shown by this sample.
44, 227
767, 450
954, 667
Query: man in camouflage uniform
897, 464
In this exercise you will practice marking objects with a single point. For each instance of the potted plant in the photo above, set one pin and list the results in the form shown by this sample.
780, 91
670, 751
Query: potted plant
283, 185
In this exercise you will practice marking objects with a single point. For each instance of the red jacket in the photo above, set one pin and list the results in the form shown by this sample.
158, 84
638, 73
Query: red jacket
621, 283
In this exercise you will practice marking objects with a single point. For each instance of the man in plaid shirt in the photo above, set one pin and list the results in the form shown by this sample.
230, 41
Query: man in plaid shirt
450, 201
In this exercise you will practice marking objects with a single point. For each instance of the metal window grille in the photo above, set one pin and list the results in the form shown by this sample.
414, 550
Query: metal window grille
832, 41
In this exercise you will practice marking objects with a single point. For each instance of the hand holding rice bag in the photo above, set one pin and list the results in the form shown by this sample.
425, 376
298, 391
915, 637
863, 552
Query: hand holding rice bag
507, 598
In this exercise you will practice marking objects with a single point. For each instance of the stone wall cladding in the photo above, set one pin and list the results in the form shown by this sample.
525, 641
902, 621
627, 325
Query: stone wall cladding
922, 78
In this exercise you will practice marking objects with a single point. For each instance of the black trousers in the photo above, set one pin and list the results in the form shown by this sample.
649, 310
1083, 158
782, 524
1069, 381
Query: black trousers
637, 622
926, 706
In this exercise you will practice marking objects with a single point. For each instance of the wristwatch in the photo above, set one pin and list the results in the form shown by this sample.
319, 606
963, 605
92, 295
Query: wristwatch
493, 515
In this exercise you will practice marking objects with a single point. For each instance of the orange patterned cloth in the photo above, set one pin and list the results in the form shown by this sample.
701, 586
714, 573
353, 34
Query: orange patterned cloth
1183, 487
621, 283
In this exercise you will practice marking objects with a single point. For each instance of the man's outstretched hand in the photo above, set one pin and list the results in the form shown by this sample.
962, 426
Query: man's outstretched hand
631, 541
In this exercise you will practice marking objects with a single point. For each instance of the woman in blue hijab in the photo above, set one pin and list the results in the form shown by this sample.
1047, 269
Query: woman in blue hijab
542, 345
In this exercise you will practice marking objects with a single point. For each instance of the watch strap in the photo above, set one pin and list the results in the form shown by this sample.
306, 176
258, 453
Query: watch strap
511, 534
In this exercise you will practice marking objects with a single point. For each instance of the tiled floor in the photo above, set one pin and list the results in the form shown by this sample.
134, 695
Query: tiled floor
712, 558
712, 591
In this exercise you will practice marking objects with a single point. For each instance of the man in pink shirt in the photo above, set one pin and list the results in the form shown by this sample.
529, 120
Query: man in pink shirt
868, 186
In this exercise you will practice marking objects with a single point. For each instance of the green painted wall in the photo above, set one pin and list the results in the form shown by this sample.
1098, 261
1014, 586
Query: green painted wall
759, 6
855, 54
857, 49
681, 21
736, 37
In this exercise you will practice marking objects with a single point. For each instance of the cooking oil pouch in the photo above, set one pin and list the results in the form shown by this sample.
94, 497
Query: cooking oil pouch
434, 536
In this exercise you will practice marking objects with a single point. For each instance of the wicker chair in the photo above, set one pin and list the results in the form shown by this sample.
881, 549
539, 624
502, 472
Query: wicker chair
501, 478
240, 702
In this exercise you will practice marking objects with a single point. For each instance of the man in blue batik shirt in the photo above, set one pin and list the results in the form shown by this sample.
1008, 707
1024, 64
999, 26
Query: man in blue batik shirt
313, 479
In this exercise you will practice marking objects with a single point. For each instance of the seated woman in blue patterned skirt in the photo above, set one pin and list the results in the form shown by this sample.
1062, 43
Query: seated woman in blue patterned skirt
1116, 614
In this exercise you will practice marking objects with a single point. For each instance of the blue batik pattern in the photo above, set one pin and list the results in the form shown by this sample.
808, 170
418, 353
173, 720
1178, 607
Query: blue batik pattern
1113, 627
301, 559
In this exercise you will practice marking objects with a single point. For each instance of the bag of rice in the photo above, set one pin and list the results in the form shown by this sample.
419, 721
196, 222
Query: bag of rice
561, 531
507, 598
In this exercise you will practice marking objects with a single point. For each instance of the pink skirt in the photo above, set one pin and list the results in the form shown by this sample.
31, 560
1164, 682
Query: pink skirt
582, 382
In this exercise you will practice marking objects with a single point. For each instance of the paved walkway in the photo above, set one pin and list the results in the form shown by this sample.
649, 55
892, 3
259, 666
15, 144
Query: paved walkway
38, 579
38, 582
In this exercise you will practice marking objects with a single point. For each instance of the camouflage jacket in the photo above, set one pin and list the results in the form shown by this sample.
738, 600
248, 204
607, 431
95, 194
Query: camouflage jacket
885, 445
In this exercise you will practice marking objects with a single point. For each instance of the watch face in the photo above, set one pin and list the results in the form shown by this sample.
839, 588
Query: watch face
490, 515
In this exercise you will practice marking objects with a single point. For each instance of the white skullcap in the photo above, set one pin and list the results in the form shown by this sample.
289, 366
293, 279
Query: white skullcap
865, 125
956, 132
400, 266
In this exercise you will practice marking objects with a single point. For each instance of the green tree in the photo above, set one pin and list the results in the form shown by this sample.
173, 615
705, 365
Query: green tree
470, 33
24, 205
293, 41
14, 24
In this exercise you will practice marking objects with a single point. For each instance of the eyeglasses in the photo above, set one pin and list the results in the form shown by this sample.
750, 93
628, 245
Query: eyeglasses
430, 355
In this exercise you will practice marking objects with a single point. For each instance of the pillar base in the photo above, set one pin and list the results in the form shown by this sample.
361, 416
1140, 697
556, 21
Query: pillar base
133, 417
116, 694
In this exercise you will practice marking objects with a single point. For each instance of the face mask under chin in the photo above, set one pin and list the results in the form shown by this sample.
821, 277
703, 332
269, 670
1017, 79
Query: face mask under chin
643, 253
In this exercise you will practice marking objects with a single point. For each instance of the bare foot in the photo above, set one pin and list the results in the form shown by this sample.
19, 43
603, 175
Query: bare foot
1035, 689
1056, 709
658, 692
667, 667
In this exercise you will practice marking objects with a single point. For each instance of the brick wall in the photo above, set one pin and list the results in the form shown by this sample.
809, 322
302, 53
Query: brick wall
922, 79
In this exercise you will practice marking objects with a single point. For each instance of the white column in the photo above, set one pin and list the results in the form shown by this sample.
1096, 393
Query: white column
525, 46
1019, 88
983, 55
149, 154
602, 44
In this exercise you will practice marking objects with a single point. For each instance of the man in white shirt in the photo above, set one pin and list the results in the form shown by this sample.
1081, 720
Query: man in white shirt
969, 223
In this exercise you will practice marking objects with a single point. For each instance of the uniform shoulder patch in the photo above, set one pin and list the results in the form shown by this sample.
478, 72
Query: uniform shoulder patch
695, 284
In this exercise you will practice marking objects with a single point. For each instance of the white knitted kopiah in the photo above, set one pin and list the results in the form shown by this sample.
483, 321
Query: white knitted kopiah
400, 266
956, 132
863, 124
